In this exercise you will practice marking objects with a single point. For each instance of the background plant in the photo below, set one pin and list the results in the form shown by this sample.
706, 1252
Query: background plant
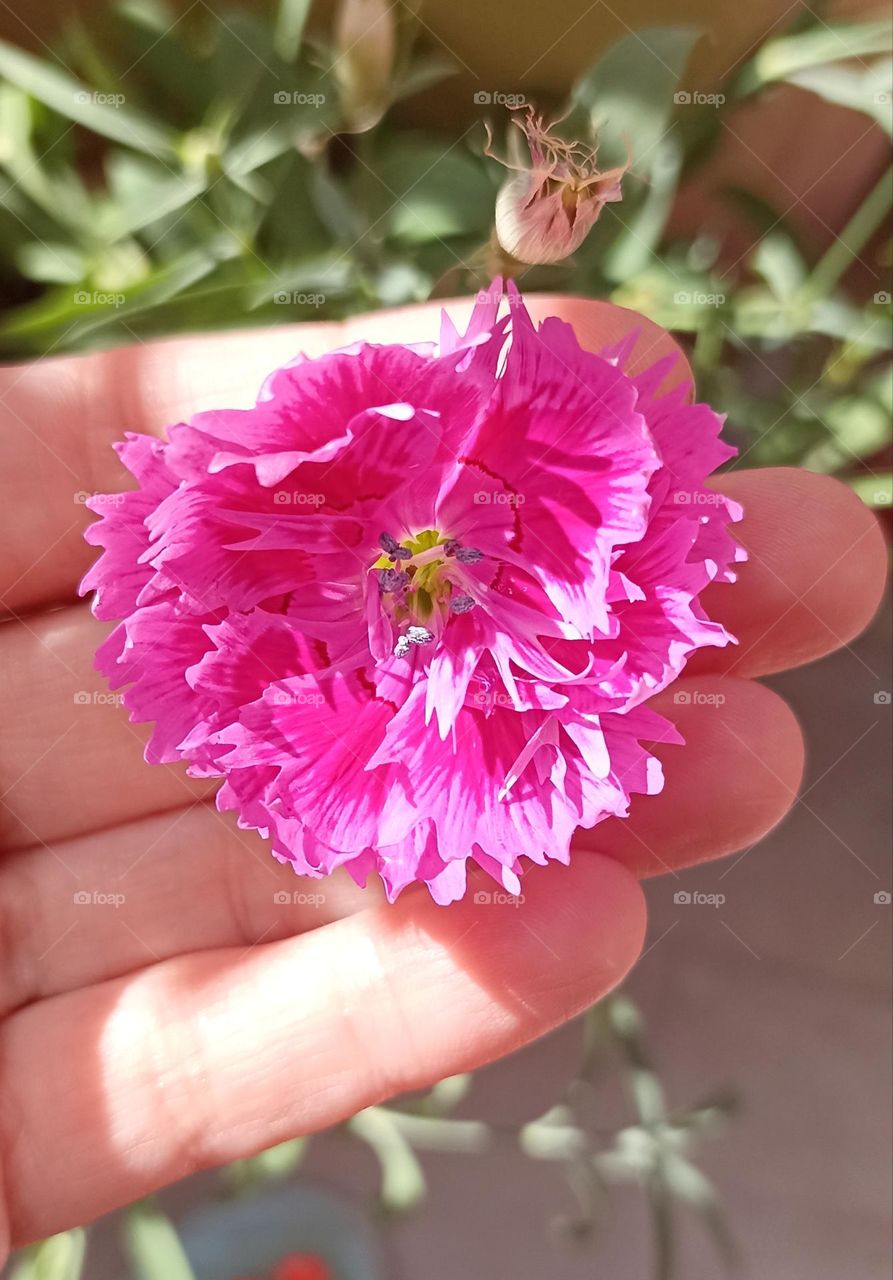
163, 174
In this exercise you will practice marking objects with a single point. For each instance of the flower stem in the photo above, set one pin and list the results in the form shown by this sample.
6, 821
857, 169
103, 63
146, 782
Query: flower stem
846, 247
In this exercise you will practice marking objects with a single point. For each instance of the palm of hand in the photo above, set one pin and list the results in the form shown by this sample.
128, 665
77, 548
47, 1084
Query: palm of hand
163, 1009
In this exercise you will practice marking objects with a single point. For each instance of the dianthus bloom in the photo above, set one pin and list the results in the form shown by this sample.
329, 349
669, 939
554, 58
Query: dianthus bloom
411, 606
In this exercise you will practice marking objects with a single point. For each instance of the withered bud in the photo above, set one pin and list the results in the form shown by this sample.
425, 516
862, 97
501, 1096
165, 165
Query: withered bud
545, 210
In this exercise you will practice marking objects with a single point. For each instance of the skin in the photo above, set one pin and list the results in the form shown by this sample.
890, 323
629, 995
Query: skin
200, 1021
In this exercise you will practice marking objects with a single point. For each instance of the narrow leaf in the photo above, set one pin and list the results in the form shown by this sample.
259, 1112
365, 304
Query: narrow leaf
57, 89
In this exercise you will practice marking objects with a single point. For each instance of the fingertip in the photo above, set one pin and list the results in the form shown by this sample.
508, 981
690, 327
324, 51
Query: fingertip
815, 574
595, 914
579, 927
736, 777
754, 731
600, 324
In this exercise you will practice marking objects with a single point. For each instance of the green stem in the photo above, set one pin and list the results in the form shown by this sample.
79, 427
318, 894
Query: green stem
662, 1219
849, 244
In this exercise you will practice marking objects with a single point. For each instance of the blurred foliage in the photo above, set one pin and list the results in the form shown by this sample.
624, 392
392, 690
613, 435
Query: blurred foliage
163, 173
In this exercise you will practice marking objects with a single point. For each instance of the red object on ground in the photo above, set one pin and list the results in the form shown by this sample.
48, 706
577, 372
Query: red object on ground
302, 1266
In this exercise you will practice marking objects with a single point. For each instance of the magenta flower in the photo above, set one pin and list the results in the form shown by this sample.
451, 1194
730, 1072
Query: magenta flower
411, 606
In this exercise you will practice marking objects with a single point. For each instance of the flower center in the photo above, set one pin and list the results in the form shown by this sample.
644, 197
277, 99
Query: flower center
422, 581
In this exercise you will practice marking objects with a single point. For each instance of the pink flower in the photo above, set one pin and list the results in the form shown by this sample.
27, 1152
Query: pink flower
546, 209
412, 605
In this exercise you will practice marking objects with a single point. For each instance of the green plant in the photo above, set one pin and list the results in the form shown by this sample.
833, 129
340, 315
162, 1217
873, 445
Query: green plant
167, 175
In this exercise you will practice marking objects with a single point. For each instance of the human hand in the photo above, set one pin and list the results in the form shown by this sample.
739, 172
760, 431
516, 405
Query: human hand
198, 1019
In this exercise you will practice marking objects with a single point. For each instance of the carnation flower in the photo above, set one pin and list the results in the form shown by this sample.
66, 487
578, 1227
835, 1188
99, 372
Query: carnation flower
545, 210
411, 606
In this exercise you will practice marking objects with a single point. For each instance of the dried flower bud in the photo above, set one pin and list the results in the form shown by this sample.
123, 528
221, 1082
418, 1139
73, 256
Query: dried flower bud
547, 208
365, 50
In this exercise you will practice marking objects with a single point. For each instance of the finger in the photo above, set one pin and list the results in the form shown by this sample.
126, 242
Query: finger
216, 1056
812, 583
60, 417
814, 578
96, 907
85, 910
70, 760
733, 781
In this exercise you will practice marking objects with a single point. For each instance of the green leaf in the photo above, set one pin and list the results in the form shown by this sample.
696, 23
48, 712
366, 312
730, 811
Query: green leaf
60, 192
433, 194
154, 1246
274, 1165
60, 1257
443, 1096
402, 1179
264, 144
763, 216
875, 490
816, 46
869, 91
148, 35
156, 16
68, 318
51, 263
672, 295
422, 73
640, 234
344, 219
290, 228
291, 17
63, 93
688, 1184
866, 327
628, 94
778, 260
859, 427
144, 192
